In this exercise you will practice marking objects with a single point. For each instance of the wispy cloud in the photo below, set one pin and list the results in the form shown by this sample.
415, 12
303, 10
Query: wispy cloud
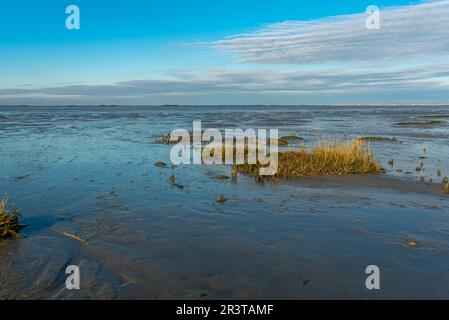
231, 85
406, 32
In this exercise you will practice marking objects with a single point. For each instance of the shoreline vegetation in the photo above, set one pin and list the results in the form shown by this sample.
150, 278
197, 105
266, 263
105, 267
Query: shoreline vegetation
282, 141
438, 116
377, 139
420, 123
285, 140
323, 159
10, 225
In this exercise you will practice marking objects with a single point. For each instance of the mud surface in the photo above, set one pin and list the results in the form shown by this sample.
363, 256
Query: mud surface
85, 181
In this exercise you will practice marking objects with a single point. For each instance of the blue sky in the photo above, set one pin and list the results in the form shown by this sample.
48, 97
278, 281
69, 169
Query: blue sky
223, 52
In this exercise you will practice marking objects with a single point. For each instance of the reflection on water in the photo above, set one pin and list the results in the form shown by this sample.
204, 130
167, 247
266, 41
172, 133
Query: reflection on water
89, 171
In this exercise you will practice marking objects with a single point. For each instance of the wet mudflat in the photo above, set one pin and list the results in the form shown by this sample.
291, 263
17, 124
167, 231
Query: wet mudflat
85, 181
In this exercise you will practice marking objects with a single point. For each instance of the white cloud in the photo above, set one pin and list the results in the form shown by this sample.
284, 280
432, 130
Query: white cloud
405, 32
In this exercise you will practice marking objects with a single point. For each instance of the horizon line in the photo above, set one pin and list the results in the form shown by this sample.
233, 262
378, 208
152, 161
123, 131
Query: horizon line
235, 105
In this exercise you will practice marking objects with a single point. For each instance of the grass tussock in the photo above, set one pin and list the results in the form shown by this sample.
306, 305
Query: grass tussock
330, 158
9, 221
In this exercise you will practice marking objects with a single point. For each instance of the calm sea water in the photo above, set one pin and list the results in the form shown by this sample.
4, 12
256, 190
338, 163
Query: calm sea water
89, 171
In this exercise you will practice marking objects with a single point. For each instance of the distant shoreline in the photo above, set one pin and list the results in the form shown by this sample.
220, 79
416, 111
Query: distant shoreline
232, 105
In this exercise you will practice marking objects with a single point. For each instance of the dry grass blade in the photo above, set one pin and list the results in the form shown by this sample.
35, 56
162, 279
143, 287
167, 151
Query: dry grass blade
70, 235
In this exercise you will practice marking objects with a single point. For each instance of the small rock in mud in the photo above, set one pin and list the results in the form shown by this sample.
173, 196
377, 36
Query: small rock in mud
412, 243
160, 164
19, 178
221, 199
234, 174
305, 282
197, 294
